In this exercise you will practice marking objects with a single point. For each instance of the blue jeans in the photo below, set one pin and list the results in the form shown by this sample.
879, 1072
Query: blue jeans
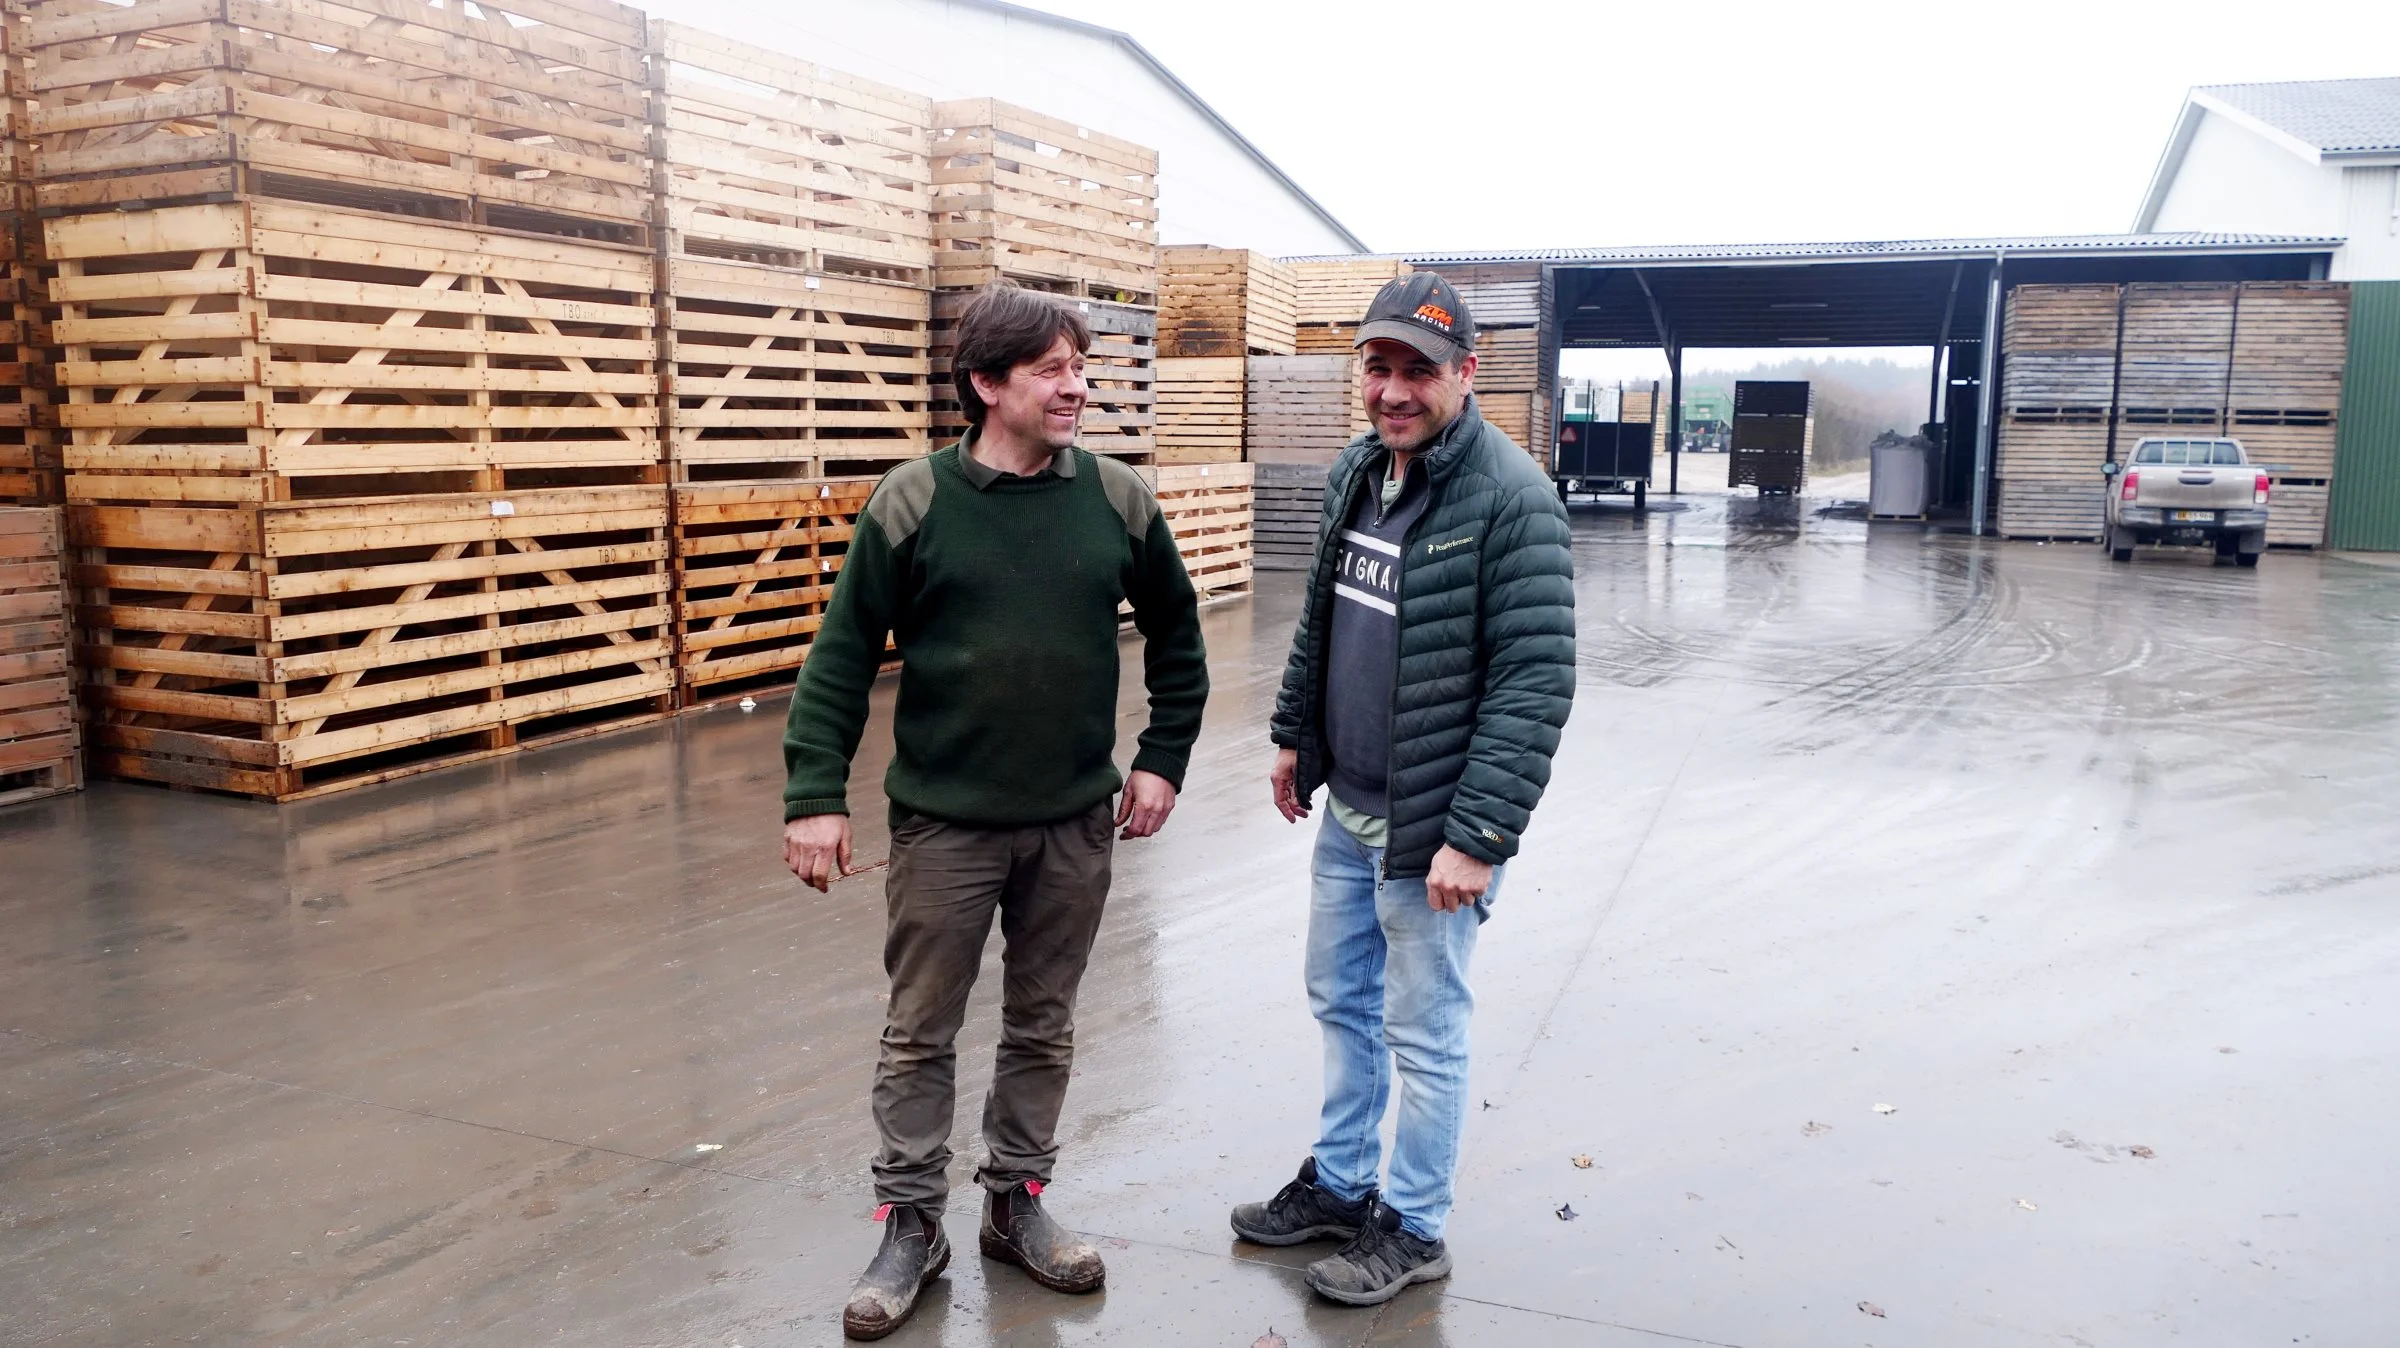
1387, 979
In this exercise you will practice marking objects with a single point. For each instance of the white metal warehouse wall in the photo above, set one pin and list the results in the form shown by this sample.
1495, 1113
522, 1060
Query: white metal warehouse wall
1210, 189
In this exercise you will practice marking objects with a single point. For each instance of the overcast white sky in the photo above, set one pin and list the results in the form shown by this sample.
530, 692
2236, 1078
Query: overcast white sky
1521, 124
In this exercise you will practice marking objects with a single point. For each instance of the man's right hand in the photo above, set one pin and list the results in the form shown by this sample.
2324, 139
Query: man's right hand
1287, 794
817, 848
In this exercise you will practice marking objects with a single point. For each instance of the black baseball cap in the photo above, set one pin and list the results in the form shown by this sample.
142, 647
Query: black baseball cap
1424, 311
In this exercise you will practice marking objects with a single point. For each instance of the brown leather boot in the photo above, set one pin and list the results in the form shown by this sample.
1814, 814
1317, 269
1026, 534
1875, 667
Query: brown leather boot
1017, 1231
914, 1253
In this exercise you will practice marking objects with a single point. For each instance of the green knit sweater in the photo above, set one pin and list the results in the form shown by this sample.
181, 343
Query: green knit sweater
1002, 594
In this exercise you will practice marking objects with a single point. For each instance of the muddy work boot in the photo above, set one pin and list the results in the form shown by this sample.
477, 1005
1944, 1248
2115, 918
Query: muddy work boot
1378, 1262
1017, 1231
1300, 1213
914, 1253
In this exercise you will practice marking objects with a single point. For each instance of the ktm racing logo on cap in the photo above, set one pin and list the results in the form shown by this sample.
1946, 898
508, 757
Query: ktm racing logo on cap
1436, 315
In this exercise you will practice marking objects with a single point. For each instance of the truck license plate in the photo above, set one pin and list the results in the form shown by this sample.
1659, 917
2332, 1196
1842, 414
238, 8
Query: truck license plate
2195, 517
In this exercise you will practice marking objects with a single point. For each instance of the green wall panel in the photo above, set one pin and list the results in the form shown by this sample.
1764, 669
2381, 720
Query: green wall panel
2365, 511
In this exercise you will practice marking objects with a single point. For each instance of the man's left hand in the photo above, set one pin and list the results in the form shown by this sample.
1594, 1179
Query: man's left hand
1148, 800
1456, 880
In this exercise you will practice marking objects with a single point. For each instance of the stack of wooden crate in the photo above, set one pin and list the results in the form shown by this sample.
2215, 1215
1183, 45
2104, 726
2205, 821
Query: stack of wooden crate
1033, 201
1511, 305
1774, 432
356, 309
1332, 295
2091, 369
39, 755
29, 464
2058, 394
1299, 415
1217, 308
795, 330
2284, 396
1209, 507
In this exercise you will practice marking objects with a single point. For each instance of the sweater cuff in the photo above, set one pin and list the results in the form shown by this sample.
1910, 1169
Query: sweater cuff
802, 809
1164, 764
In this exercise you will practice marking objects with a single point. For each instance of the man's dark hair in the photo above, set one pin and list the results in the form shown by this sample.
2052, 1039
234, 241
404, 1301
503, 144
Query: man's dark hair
1003, 328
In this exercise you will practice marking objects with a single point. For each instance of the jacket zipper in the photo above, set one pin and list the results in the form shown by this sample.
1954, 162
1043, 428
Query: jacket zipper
1399, 593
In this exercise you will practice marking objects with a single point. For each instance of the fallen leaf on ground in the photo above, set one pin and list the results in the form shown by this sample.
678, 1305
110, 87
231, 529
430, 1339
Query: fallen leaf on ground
1872, 1309
2027, 1205
1567, 1213
1583, 1162
2144, 1152
1887, 1109
1812, 1128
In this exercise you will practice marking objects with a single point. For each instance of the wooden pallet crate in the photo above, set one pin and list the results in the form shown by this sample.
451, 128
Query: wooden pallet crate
777, 373
1224, 302
1299, 409
1512, 413
1508, 360
2052, 510
1120, 415
1200, 405
755, 566
1287, 505
265, 349
2052, 484
40, 753
1031, 198
30, 468
2284, 393
1338, 290
1208, 507
768, 158
531, 116
286, 648
2174, 355
1498, 294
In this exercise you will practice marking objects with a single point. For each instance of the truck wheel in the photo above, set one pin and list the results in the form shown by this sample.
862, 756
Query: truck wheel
1641, 496
2229, 546
2120, 546
2249, 559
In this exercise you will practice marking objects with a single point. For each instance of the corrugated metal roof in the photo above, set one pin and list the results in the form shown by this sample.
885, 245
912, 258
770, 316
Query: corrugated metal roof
1880, 250
2338, 117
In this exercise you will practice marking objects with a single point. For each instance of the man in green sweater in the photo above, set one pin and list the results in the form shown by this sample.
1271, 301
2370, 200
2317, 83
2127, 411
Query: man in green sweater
997, 565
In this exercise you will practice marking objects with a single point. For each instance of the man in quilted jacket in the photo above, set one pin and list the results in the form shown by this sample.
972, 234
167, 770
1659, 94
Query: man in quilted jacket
1429, 678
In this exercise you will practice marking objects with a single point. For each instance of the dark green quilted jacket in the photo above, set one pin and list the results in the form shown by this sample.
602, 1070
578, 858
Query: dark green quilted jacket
1487, 646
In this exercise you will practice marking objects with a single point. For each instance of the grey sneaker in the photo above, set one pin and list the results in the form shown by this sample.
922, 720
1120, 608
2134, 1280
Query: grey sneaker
1301, 1212
1378, 1262
914, 1253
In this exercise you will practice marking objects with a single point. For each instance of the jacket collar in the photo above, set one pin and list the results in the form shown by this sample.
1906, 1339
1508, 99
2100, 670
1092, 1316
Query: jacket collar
983, 475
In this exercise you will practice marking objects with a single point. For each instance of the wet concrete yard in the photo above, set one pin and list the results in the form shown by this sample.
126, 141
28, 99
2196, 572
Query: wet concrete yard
2090, 873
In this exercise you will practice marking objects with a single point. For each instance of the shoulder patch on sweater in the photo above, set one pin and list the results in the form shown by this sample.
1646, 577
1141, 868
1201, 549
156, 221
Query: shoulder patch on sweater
1130, 496
902, 499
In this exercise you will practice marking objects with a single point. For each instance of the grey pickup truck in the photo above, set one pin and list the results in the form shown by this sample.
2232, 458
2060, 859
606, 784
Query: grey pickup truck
2193, 491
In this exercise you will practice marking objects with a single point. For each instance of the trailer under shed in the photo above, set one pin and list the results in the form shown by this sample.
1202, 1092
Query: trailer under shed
1951, 296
